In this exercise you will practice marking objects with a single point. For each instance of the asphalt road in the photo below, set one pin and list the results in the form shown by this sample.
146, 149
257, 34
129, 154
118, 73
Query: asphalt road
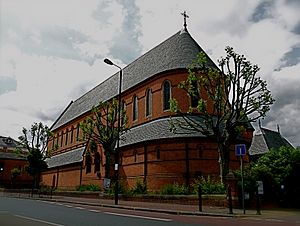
33, 212
17, 212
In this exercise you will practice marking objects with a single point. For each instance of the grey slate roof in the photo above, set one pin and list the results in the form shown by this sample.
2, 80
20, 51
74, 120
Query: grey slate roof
177, 52
8, 142
66, 158
12, 155
266, 140
155, 130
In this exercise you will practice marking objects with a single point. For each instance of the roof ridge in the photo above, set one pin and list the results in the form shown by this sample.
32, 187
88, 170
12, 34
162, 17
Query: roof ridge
175, 52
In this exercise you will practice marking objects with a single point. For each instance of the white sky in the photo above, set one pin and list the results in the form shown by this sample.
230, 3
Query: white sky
51, 52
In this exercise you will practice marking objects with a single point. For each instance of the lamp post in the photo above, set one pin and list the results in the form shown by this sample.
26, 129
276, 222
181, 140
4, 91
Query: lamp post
109, 62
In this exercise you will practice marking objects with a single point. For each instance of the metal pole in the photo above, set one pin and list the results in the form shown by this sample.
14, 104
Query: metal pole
118, 141
229, 199
243, 193
200, 197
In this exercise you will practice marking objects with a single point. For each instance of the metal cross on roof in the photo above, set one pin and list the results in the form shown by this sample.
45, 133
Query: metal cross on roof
184, 16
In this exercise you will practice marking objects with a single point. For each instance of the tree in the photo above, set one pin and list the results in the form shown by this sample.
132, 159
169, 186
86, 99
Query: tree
223, 101
102, 128
279, 169
35, 141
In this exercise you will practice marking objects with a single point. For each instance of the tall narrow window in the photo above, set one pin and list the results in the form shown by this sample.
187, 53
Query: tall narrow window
148, 102
157, 152
88, 163
67, 134
77, 132
97, 162
53, 142
135, 155
166, 95
194, 95
135, 108
57, 139
72, 134
61, 138
123, 107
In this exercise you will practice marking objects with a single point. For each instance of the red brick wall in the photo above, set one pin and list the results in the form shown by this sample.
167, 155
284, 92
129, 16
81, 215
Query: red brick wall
23, 180
171, 167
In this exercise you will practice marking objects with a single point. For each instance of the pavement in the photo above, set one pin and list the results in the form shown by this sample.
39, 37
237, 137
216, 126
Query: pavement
169, 208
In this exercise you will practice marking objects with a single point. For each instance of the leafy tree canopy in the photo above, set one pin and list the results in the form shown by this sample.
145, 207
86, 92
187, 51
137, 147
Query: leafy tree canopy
102, 127
223, 101
35, 141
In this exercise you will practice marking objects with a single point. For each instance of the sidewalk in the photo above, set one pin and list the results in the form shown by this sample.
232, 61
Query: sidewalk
177, 209
169, 208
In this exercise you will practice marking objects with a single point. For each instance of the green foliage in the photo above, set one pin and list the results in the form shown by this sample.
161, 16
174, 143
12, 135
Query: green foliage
35, 141
88, 187
139, 188
277, 165
208, 186
102, 128
15, 172
174, 189
228, 100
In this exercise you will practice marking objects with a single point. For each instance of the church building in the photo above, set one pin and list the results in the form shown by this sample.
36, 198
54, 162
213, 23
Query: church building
149, 151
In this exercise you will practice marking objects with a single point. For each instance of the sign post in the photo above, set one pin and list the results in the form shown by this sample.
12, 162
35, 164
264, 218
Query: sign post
240, 150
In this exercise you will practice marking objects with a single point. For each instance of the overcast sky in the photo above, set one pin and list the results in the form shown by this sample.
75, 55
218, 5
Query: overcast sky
52, 51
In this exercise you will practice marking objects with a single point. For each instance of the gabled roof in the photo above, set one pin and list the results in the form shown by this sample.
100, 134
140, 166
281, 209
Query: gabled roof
177, 52
266, 140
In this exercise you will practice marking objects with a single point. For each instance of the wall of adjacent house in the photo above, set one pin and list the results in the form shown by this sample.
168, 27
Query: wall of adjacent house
21, 181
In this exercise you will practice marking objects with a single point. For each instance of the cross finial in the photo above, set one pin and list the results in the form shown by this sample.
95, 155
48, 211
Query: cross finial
185, 16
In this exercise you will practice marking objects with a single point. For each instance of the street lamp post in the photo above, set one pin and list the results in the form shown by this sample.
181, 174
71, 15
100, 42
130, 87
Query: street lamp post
107, 61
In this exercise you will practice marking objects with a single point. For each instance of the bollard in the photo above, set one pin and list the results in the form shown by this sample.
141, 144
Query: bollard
200, 198
229, 199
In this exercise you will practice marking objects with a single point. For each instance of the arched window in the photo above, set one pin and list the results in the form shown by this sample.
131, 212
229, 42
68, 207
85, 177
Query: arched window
57, 139
53, 142
166, 95
61, 138
123, 108
194, 95
97, 161
157, 152
88, 163
67, 133
72, 134
135, 108
135, 155
148, 102
200, 152
77, 132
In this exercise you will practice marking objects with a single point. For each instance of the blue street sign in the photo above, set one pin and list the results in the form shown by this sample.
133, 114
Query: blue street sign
240, 149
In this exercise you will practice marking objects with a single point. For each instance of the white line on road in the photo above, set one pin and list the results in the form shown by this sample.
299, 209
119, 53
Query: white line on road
79, 207
138, 216
37, 220
96, 211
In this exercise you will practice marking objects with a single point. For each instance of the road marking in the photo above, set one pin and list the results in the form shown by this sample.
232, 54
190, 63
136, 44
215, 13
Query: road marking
79, 207
37, 220
138, 216
96, 211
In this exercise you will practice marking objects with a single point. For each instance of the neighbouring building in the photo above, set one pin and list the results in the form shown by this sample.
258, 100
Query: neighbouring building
148, 151
264, 140
11, 160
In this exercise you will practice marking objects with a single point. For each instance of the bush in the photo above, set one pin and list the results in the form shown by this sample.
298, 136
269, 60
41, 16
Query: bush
174, 189
208, 186
88, 187
139, 188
